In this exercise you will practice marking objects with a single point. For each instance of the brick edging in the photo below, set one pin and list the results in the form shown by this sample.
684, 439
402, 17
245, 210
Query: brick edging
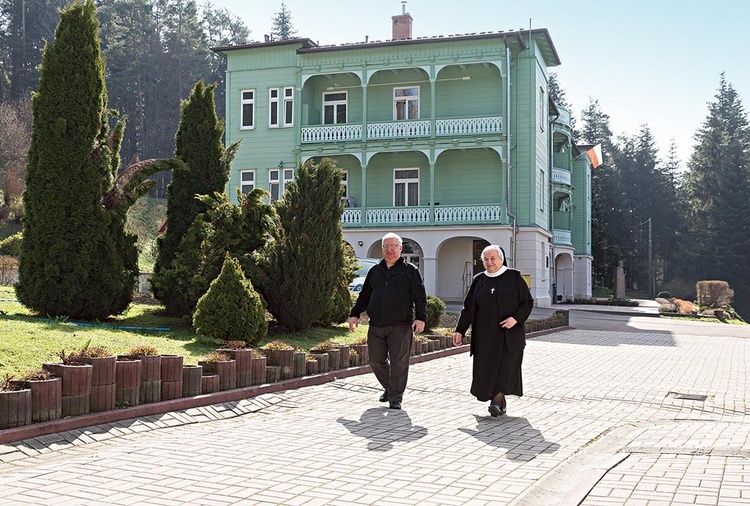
156, 408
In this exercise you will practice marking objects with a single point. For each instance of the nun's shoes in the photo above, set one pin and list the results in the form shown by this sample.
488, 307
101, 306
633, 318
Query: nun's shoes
495, 410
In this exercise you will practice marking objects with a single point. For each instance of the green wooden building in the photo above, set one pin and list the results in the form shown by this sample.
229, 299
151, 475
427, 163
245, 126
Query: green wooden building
450, 141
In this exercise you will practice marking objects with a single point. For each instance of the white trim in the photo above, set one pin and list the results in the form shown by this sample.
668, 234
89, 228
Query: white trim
243, 102
405, 99
407, 182
335, 104
251, 182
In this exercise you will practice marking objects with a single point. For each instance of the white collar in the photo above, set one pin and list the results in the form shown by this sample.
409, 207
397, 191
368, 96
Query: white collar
497, 273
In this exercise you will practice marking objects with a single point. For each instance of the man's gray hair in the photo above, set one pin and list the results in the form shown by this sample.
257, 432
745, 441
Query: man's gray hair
391, 235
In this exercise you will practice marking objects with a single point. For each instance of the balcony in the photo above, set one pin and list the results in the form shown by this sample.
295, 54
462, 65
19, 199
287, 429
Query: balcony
402, 130
561, 176
420, 215
562, 237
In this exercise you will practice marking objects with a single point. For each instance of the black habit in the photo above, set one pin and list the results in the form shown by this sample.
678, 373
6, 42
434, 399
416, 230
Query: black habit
497, 352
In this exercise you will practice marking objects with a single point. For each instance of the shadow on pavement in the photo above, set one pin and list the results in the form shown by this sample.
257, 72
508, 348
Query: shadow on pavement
383, 427
521, 441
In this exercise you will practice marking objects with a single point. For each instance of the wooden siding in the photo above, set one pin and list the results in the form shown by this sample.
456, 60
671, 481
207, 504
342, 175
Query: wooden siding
483, 94
471, 177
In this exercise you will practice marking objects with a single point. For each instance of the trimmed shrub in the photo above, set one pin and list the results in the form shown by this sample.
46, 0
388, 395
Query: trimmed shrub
435, 309
714, 293
231, 310
11, 245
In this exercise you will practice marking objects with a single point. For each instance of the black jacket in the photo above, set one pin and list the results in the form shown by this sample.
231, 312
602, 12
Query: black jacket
391, 296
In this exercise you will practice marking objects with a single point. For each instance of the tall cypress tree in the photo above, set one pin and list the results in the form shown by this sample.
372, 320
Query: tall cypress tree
305, 259
199, 145
76, 259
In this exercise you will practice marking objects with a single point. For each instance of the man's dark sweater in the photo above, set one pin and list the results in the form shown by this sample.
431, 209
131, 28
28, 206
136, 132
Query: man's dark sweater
391, 296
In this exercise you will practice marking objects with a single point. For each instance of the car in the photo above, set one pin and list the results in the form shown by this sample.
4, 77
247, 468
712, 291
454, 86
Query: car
366, 264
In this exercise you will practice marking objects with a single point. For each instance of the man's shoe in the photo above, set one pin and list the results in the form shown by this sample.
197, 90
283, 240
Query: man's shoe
384, 397
496, 410
394, 405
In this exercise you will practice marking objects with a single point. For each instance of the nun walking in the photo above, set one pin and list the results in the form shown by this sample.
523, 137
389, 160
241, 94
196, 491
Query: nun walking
496, 307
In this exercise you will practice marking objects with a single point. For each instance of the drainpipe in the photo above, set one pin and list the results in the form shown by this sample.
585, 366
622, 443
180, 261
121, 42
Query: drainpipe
552, 272
507, 162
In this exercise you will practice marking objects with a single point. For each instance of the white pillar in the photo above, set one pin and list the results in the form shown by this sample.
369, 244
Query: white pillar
430, 275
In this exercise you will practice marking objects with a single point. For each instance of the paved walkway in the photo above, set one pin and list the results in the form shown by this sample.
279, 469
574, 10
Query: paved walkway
608, 418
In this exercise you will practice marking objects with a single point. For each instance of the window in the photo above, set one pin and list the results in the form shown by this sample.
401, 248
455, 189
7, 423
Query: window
247, 109
345, 182
273, 184
288, 107
406, 187
406, 103
541, 108
280, 109
247, 181
288, 178
541, 187
334, 108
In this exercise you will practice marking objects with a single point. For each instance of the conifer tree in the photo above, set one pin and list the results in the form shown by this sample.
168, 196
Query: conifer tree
223, 228
76, 258
282, 25
303, 263
716, 188
231, 309
199, 146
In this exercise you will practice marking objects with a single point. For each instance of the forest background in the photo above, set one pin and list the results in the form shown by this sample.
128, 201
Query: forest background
689, 218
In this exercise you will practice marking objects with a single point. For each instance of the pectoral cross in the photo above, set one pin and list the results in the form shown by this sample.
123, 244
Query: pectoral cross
492, 291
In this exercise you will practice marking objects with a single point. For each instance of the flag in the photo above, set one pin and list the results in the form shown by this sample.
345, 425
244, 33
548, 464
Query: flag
595, 155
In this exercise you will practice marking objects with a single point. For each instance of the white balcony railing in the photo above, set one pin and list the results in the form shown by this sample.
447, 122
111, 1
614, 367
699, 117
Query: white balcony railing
398, 215
444, 215
333, 133
402, 129
469, 126
561, 237
398, 130
561, 176
468, 214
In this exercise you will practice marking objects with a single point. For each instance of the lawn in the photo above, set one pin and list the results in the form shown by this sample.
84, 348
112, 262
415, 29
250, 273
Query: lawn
28, 340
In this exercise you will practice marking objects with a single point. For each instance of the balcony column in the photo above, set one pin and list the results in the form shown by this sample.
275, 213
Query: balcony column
432, 188
430, 275
363, 217
364, 78
433, 101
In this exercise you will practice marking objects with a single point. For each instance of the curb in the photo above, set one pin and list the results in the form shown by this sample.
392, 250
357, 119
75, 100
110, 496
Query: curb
156, 408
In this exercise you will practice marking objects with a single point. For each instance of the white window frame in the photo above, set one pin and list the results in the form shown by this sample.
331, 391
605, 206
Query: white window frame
407, 182
273, 108
249, 184
288, 175
541, 189
274, 182
542, 108
345, 182
405, 99
288, 108
335, 104
243, 102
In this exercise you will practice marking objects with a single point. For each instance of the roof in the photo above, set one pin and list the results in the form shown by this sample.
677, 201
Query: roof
540, 35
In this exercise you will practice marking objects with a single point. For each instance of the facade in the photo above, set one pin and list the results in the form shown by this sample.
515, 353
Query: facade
451, 141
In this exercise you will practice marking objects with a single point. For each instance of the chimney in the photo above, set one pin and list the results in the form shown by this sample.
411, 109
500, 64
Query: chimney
402, 24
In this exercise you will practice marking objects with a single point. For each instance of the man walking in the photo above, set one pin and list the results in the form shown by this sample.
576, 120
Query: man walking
393, 290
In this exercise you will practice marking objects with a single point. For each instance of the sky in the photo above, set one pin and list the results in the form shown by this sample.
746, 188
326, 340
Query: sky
647, 62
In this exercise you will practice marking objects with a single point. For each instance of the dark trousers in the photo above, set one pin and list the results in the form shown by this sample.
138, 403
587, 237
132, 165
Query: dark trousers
390, 349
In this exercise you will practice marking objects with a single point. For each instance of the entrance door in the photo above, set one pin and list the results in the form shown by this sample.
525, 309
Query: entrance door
479, 245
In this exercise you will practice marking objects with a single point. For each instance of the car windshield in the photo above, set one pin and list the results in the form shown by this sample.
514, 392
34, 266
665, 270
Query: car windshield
366, 264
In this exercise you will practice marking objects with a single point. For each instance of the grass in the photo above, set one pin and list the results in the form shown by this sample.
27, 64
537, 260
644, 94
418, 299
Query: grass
28, 340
